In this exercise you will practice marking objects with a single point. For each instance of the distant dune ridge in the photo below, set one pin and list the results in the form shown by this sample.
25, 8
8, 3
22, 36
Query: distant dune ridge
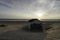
14, 19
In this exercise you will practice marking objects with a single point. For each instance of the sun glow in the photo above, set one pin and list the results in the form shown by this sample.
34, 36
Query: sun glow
40, 14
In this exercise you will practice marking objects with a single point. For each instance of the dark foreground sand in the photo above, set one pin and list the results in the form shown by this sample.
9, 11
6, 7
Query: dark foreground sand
14, 32
21, 35
54, 33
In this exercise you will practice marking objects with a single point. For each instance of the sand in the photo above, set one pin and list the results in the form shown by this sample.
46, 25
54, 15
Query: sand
15, 32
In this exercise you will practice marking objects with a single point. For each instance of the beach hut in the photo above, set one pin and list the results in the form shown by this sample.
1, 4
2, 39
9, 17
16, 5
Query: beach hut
35, 25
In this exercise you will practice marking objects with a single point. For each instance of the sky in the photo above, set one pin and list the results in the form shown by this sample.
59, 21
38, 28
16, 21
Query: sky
27, 9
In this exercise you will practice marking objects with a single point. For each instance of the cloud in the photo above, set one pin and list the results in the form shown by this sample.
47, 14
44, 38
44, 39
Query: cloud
4, 4
30, 7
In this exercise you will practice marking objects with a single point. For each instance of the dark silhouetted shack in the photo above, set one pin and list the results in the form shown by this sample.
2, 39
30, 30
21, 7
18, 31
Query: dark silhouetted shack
35, 25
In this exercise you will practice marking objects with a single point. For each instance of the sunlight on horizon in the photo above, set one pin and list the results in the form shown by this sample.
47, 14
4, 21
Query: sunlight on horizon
40, 14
